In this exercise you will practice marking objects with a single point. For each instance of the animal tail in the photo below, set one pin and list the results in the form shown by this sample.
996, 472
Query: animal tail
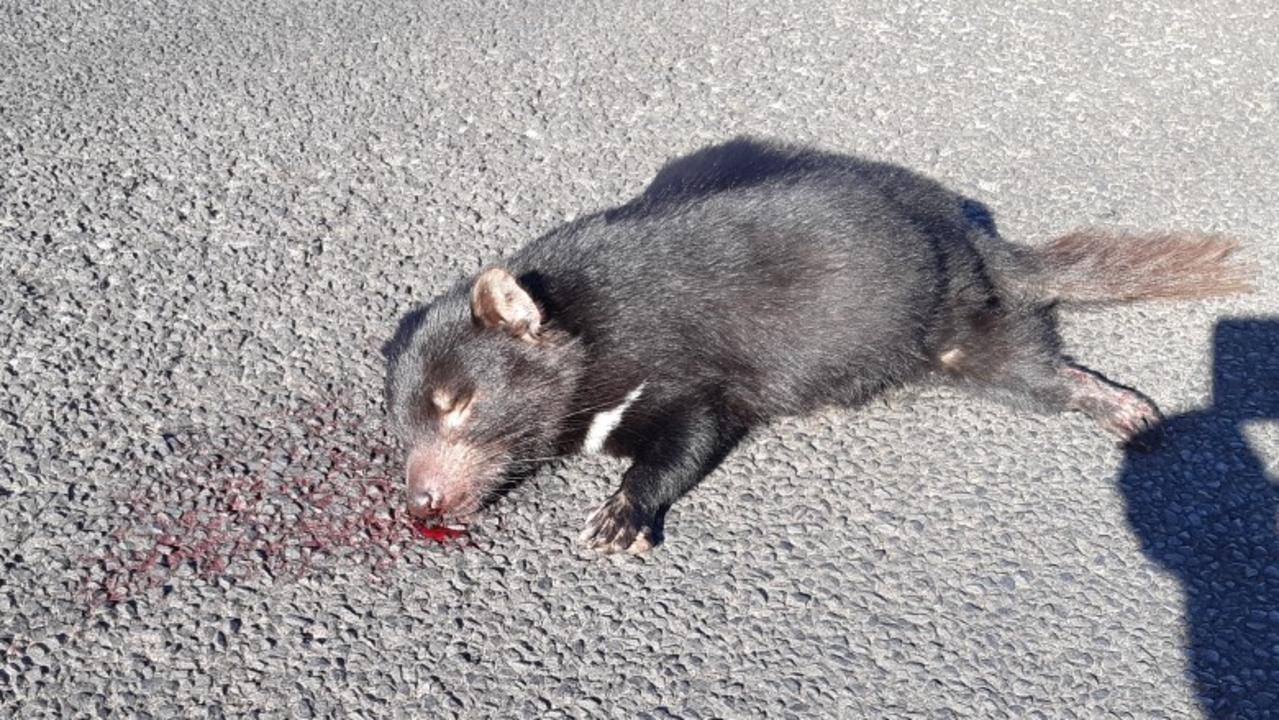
1099, 266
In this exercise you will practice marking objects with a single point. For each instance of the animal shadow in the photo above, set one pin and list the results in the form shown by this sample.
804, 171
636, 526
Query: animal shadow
1204, 510
746, 161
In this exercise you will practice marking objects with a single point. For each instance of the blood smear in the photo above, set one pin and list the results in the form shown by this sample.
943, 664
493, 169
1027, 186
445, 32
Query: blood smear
438, 533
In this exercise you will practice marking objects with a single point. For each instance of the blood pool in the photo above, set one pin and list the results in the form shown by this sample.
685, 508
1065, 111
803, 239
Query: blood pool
439, 533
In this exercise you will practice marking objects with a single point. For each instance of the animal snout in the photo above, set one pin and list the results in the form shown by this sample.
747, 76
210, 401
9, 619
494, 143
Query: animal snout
423, 503
423, 487
440, 480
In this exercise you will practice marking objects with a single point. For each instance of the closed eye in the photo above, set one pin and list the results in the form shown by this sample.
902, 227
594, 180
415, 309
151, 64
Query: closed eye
452, 410
443, 400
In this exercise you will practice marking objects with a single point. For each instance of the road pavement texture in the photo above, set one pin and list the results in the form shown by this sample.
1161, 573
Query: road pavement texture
212, 214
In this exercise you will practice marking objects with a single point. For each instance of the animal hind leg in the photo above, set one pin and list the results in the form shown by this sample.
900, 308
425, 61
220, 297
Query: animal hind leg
1118, 409
1019, 363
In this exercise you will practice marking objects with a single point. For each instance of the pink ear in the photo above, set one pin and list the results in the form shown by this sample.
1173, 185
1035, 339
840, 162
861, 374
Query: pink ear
498, 301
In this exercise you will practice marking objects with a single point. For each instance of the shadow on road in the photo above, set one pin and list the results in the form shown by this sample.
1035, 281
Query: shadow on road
745, 162
1205, 511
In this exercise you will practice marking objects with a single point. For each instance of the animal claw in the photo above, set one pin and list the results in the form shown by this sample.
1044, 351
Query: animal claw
619, 526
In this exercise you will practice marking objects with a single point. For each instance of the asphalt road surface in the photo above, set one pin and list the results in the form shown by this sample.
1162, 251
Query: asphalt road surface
211, 215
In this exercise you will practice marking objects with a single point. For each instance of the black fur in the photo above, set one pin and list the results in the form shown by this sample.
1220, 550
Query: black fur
750, 280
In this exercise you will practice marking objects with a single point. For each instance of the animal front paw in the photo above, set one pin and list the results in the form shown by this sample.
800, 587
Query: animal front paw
620, 525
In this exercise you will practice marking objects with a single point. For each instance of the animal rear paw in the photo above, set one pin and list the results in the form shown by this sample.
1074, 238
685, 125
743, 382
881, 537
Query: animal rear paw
1119, 410
1135, 420
619, 525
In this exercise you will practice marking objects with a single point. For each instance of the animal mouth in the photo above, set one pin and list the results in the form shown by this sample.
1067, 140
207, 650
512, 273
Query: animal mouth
467, 512
458, 516
449, 524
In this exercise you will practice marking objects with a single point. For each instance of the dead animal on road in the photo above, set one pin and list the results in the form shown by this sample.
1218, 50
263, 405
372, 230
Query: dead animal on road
752, 280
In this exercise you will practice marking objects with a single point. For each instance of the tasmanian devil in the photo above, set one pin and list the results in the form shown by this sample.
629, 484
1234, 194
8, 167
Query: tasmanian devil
751, 280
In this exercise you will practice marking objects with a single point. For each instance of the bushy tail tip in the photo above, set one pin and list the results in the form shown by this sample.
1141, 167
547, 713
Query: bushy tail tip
1100, 266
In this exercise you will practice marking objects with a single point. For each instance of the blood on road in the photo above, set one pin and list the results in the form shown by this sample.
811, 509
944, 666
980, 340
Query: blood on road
438, 533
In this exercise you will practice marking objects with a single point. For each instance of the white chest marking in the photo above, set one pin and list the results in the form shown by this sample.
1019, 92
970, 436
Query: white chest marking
605, 422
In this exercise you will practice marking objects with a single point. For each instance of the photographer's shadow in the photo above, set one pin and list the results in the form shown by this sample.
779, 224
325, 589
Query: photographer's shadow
1204, 510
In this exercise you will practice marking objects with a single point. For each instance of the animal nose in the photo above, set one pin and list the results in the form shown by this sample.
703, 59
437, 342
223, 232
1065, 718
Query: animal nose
423, 503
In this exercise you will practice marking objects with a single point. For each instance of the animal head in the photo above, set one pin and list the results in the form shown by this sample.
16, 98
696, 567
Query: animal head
478, 386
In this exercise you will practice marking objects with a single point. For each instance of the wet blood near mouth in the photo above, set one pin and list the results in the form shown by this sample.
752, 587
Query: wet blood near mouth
438, 533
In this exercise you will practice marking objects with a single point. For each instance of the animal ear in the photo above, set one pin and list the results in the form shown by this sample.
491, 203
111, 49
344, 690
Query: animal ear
498, 301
